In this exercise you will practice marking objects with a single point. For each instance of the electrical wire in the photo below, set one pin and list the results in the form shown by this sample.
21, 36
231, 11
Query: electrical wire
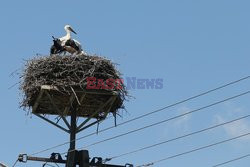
15, 163
177, 138
193, 150
163, 121
147, 114
232, 160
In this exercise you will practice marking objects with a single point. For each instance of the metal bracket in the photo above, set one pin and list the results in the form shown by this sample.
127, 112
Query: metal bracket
80, 127
53, 123
22, 158
98, 161
57, 110
80, 157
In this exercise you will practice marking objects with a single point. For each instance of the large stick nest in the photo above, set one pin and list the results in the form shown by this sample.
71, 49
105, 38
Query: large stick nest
67, 72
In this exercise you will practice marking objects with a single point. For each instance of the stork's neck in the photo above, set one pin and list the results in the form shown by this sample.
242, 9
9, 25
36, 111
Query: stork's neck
68, 36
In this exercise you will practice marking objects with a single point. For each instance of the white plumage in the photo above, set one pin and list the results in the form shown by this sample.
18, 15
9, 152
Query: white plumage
68, 30
65, 43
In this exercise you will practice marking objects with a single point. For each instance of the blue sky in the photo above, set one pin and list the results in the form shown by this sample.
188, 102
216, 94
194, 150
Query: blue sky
192, 45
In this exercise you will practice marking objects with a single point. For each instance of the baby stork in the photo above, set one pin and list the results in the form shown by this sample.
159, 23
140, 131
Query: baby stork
66, 43
56, 47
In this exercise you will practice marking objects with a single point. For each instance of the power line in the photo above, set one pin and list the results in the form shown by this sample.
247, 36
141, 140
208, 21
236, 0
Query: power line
147, 114
177, 138
232, 160
15, 163
193, 150
166, 120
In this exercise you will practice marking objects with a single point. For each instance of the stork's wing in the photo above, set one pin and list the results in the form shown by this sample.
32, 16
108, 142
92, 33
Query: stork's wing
74, 44
78, 44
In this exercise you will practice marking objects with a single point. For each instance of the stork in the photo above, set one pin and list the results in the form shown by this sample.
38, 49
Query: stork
57, 47
70, 45
65, 43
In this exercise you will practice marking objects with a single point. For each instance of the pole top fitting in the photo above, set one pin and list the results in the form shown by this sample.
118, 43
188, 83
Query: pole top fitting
22, 158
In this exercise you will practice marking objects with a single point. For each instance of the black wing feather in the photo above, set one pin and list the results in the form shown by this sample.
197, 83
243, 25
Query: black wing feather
72, 44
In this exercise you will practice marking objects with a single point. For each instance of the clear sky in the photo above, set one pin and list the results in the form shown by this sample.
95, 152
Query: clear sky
193, 45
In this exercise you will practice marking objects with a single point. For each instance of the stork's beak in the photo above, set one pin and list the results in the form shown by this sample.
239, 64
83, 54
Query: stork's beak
72, 30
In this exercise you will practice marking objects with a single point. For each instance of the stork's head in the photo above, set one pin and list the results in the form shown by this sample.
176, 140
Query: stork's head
69, 28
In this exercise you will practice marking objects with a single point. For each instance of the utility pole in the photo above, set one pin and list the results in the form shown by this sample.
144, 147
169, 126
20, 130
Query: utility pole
71, 157
74, 157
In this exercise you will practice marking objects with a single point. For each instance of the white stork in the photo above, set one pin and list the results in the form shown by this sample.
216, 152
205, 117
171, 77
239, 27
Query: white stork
65, 43
70, 45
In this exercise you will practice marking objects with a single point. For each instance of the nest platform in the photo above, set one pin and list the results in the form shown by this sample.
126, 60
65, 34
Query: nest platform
56, 84
86, 103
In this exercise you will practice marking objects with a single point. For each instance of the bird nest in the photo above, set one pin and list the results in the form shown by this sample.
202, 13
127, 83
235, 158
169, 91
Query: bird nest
89, 85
